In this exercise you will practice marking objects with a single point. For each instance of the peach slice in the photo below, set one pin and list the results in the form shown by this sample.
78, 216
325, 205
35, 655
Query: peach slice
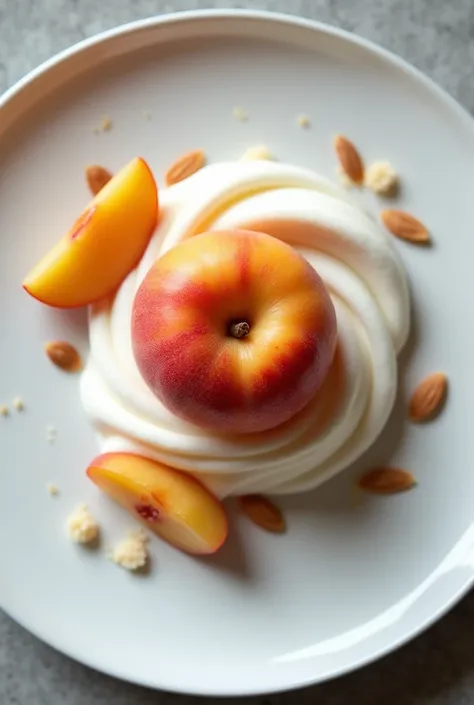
169, 502
105, 243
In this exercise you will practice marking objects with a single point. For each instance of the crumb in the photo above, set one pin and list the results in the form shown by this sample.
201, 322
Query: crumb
82, 527
147, 114
51, 433
303, 121
3, 410
18, 403
240, 114
344, 179
255, 153
52, 489
106, 123
132, 553
382, 178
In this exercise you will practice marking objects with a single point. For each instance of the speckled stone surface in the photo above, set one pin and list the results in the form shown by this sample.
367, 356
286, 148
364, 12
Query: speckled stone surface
438, 37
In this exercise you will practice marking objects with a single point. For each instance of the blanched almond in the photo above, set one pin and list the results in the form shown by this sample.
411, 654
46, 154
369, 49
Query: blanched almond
350, 159
185, 166
262, 512
97, 177
63, 355
405, 226
428, 397
386, 481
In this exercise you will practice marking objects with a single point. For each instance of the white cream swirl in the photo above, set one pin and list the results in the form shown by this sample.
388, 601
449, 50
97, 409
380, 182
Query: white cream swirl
368, 286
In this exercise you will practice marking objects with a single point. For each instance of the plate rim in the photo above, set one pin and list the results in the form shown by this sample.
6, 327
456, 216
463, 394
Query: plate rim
283, 19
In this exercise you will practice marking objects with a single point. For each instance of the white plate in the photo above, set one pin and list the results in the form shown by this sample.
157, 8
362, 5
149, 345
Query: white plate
347, 583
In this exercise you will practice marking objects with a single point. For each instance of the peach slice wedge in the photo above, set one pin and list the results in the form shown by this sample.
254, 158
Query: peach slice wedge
105, 243
169, 502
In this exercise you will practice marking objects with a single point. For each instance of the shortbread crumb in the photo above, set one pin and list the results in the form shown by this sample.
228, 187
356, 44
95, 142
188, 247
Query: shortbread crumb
52, 489
256, 153
3, 410
106, 123
18, 404
81, 525
131, 553
303, 121
240, 114
382, 178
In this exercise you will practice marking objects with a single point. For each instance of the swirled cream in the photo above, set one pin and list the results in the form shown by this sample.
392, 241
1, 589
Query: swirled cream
368, 286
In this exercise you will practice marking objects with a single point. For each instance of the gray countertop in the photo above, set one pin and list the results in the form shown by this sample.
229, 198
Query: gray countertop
437, 37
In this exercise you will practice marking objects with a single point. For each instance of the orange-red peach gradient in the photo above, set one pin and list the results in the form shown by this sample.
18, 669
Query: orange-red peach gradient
182, 322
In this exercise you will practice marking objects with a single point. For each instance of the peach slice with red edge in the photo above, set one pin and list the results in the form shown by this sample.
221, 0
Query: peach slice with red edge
167, 501
105, 243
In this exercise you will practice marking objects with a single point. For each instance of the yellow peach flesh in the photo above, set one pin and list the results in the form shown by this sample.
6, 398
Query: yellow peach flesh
104, 244
172, 504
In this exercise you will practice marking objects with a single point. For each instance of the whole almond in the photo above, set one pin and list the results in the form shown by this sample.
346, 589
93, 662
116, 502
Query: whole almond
263, 513
63, 355
386, 481
349, 159
185, 166
405, 226
97, 177
427, 399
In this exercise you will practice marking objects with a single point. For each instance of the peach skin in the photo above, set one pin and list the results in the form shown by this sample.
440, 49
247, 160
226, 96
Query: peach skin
172, 504
233, 331
105, 243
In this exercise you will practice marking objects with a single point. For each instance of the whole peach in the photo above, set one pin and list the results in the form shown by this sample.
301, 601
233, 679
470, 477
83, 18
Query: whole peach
233, 331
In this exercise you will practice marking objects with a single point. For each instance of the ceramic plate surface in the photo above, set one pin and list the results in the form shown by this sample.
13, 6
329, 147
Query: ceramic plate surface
349, 581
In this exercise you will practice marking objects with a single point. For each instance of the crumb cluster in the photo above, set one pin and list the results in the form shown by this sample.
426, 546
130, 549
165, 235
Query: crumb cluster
82, 527
255, 153
132, 552
381, 178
